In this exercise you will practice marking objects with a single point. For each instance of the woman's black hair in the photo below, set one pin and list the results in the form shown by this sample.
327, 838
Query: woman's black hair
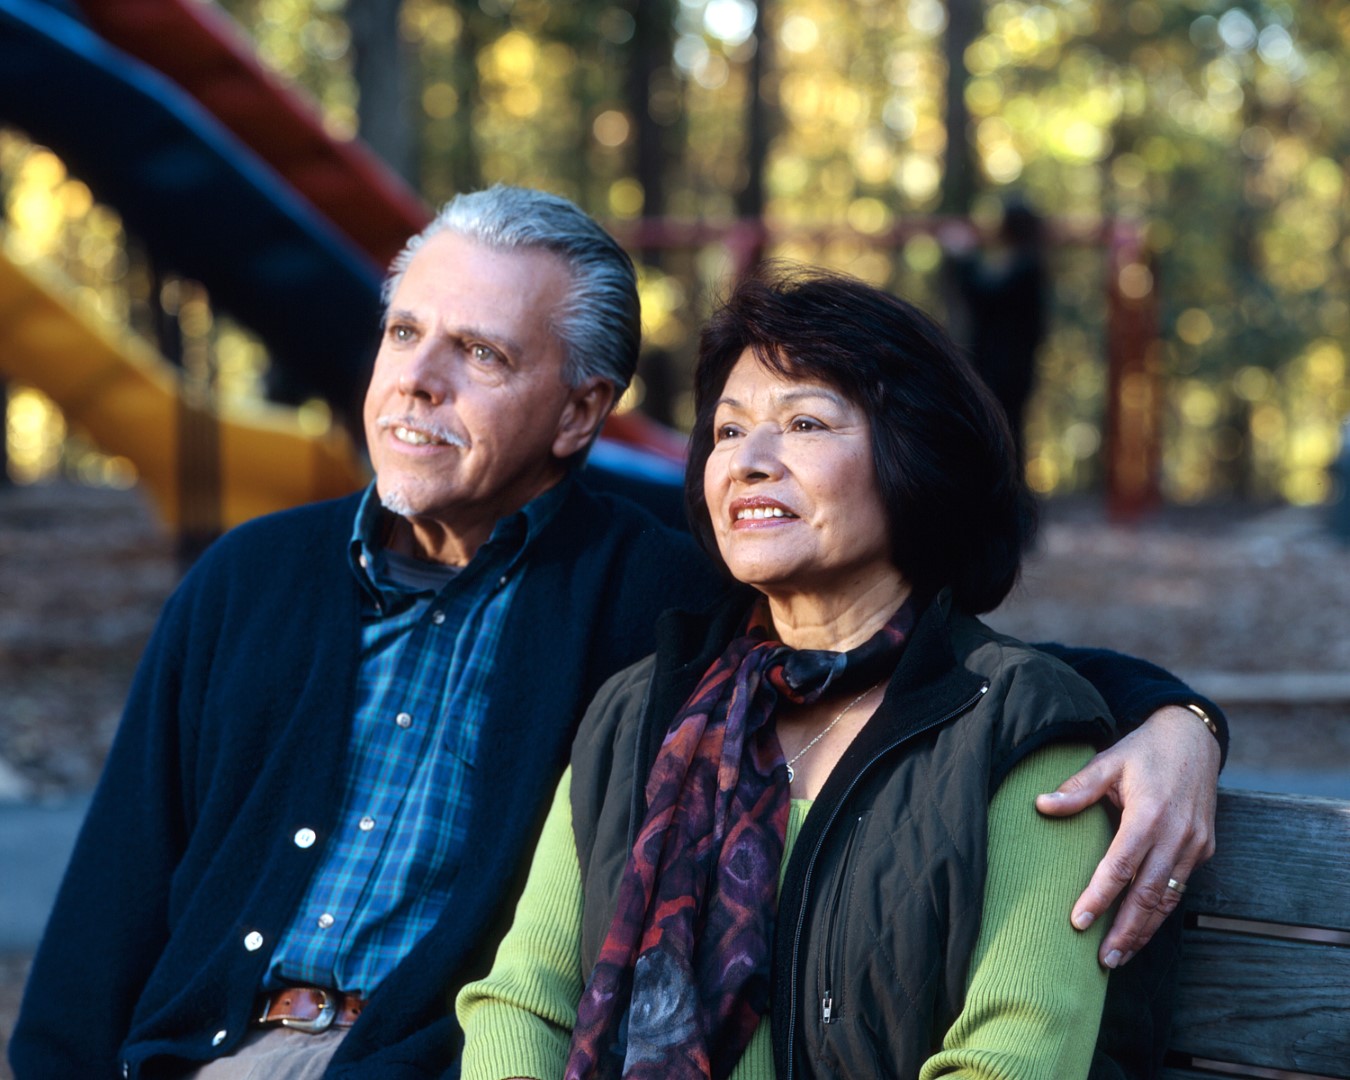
958, 511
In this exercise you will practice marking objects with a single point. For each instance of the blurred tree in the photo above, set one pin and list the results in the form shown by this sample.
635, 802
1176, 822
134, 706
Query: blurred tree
382, 66
965, 21
1221, 127
750, 199
651, 97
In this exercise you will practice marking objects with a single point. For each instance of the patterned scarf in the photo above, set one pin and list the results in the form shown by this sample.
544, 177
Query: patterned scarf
682, 978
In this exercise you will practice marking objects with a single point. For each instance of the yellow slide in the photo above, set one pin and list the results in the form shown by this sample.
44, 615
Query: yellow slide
127, 398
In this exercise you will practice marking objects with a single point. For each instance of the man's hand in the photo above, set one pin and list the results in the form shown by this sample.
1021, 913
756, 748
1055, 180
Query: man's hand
1163, 776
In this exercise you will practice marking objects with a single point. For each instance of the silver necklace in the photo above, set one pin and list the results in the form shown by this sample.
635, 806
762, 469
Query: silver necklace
792, 774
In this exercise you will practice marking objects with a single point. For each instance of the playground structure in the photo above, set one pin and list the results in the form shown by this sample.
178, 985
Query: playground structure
287, 228
134, 404
228, 177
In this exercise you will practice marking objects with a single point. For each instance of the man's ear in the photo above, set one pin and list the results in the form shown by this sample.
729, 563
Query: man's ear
586, 409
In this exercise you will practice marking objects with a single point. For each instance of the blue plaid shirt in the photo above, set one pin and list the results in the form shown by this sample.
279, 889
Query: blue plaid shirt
429, 635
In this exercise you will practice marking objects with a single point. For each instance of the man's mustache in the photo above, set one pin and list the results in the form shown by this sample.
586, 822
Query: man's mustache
426, 427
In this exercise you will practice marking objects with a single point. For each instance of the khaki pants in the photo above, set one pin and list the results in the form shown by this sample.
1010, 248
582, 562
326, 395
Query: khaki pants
276, 1053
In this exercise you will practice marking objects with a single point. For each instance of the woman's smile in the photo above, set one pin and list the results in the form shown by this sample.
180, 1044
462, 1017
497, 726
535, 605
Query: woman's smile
755, 512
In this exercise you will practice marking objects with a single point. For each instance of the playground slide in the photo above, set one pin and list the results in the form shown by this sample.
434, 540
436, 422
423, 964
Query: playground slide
116, 388
201, 49
207, 206
203, 203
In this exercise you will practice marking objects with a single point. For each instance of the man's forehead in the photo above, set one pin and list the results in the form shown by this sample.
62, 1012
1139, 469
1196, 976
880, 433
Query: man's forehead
450, 266
460, 286
450, 245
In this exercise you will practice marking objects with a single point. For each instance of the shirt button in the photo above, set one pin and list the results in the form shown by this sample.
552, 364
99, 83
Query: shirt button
502, 583
325, 921
253, 942
366, 823
305, 838
403, 720
218, 1038
438, 617
365, 563
126, 1068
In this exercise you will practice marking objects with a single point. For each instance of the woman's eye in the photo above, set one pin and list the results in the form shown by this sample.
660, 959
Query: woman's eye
805, 423
725, 431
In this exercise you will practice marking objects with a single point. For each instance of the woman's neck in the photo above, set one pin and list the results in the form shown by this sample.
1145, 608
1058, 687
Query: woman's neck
837, 621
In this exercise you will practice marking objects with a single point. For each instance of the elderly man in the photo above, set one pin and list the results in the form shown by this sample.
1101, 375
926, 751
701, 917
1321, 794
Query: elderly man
345, 729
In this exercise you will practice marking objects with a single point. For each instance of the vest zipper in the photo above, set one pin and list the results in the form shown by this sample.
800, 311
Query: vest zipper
837, 900
820, 843
637, 802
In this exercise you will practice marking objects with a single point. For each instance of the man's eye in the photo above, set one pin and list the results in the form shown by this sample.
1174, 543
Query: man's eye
401, 334
485, 354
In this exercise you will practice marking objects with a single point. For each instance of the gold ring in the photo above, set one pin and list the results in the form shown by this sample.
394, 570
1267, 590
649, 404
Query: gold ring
1176, 886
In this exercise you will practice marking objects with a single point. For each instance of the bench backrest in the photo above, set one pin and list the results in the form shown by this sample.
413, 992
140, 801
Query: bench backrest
1265, 972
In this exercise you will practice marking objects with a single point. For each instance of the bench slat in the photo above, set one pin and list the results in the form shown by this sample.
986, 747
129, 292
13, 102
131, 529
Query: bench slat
1280, 858
1267, 1002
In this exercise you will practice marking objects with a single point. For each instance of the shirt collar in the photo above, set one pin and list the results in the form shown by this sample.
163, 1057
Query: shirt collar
511, 537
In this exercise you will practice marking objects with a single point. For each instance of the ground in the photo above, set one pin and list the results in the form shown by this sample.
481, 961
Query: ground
1205, 592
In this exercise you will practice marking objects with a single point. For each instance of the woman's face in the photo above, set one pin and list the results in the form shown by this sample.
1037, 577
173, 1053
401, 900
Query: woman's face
791, 487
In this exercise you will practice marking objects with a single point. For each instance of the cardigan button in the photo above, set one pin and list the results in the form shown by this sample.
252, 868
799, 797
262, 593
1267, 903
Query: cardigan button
253, 942
218, 1038
305, 838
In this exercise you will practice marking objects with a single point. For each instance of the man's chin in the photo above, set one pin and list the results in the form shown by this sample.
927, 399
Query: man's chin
396, 502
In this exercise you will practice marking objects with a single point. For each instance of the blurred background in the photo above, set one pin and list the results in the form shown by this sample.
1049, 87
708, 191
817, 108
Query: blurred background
200, 199
1200, 145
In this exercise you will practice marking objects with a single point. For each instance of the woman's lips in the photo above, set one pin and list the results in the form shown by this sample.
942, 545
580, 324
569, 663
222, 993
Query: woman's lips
748, 512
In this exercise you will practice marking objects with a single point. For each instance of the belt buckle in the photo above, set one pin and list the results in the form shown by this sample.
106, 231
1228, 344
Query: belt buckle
322, 1022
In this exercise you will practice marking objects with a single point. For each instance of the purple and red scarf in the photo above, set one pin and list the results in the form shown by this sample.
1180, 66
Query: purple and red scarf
682, 978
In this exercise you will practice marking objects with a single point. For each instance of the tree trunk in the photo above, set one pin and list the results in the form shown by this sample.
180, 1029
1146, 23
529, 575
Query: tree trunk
466, 170
748, 246
965, 21
5, 480
750, 199
383, 69
649, 55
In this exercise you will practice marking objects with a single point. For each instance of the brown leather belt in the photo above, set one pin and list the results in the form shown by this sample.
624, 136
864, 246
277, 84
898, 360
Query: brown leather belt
308, 1008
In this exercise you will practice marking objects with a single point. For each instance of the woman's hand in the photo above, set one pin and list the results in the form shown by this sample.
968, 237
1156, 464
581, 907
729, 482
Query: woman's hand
1163, 777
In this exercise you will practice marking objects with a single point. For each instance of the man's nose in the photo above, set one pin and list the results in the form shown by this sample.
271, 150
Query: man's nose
422, 377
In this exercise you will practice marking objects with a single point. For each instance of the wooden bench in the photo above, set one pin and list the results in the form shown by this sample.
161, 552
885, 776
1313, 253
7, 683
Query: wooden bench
1265, 973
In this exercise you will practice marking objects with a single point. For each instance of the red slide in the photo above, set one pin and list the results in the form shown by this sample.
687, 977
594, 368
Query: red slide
206, 53
209, 56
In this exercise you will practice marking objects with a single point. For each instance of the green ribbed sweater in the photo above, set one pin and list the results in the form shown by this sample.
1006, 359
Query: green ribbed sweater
1035, 992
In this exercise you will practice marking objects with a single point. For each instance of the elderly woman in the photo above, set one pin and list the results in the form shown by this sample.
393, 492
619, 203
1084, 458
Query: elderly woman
800, 839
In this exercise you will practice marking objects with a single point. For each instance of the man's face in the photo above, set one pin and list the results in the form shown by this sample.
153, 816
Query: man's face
467, 415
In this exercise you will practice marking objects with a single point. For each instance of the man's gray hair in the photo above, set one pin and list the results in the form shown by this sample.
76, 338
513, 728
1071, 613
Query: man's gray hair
599, 322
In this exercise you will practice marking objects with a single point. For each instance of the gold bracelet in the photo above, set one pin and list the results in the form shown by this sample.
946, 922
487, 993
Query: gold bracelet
1205, 718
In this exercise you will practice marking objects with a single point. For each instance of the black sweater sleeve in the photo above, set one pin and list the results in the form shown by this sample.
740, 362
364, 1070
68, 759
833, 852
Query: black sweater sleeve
1134, 689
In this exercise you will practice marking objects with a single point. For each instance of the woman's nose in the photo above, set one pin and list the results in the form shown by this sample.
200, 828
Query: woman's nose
756, 455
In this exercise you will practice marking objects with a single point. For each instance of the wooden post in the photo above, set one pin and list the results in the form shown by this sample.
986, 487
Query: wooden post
1134, 376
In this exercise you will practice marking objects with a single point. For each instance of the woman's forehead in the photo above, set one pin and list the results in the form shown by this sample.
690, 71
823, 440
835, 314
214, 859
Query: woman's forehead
782, 381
